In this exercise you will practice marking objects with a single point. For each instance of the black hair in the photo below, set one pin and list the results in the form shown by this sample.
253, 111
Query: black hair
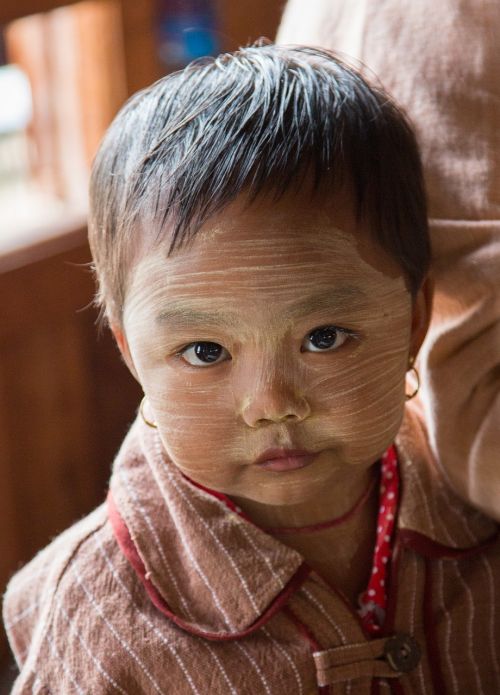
258, 120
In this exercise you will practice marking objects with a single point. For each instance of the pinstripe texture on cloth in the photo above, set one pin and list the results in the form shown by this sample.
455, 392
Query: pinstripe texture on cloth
82, 620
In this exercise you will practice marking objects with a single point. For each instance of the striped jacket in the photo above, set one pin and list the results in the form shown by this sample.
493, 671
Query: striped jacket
165, 588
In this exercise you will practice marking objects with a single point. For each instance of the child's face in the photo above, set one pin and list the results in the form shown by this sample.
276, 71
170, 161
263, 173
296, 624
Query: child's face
271, 383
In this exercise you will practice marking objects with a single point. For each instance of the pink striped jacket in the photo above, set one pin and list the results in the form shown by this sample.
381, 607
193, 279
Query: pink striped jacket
165, 588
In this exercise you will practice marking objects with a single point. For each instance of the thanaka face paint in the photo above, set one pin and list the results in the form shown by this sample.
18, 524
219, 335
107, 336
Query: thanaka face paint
266, 370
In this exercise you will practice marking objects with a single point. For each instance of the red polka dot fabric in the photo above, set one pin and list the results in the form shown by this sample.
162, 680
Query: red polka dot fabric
372, 602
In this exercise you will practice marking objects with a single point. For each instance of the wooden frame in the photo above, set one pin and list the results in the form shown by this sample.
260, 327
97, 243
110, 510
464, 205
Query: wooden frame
61, 416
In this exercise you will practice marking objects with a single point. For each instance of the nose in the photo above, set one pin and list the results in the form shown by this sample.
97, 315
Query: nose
272, 398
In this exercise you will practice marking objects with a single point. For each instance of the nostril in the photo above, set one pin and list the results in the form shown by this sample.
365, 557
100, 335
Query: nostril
277, 405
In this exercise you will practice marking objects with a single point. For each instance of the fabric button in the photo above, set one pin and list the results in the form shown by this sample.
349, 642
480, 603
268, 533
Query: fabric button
402, 652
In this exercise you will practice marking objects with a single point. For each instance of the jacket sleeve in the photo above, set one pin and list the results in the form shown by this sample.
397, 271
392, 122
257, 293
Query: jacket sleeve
23, 604
32, 598
450, 89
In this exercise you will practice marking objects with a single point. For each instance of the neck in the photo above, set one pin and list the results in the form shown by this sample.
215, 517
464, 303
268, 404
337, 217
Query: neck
340, 552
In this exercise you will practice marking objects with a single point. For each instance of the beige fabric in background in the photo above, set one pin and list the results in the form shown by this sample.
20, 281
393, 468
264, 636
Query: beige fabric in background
441, 61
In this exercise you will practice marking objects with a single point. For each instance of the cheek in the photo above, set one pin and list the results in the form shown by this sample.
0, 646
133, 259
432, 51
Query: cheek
192, 419
363, 398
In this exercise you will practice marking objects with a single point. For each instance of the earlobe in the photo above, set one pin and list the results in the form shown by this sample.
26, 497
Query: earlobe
421, 314
122, 343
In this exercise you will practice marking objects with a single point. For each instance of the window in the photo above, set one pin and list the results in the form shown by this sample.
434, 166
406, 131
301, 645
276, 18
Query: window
63, 81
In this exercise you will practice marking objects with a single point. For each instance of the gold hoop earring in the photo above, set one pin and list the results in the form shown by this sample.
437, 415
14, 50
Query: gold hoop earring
413, 369
149, 423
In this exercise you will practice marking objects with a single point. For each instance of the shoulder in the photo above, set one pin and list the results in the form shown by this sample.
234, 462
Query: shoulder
79, 620
31, 589
50, 600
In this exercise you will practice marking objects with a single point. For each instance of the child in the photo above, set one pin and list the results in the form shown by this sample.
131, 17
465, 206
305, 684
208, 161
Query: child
275, 522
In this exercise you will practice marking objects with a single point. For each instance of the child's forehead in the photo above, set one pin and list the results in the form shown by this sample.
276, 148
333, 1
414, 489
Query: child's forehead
268, 252
266, 225
267, 285
296, 232
263, 268
250, 243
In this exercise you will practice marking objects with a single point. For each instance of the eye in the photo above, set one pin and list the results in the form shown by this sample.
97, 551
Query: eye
323, 339
328, 338
201, 354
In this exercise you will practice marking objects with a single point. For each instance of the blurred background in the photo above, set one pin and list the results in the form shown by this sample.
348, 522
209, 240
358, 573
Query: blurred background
66, 399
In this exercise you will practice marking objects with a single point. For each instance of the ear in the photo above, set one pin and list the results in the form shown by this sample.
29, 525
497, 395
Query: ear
122, 343
421, 314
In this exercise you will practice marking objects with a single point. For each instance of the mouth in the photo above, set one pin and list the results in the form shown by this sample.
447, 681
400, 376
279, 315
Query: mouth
285, 459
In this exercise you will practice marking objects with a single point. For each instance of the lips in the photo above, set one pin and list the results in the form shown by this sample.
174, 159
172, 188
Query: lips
285, 459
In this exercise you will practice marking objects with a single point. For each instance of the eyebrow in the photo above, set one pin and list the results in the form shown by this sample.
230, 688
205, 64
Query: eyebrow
184, 314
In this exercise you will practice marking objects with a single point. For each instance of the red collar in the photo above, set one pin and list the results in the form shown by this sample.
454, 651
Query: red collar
373, 601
